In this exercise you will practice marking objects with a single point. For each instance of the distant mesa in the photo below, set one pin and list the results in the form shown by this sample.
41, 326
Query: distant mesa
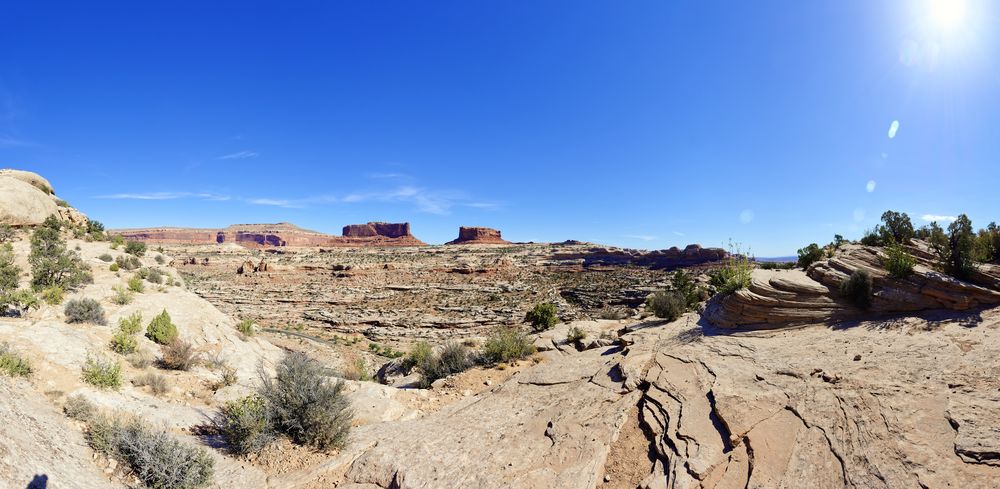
278, 235
478, 235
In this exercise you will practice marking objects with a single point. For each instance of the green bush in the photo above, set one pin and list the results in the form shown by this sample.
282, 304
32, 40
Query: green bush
153, 275
858, 288
667, 304
159, 259
116, 241
777, 265
105, 374
114, 267
84, 311
53, 296
131, 324
959, 261
127, 262
135, 284
161, 329
681, 283
896, 227
542, 317
7, 233
451, 359
135, 248
872, 237
13, 364
898, 261
575, 334
507, 345
123, 343
246, 327
21, 301
246, 424
106, 258
418, 354
155, 457
306, 405
51, 263
809, 255
122, 296
735, 274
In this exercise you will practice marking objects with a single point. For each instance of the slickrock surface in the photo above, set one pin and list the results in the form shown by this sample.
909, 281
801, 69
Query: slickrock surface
888, 404
478, 235
778, 298
278, 235
27, 199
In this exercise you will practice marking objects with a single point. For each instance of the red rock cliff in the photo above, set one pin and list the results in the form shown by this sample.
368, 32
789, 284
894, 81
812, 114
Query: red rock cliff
280, 234
377, 229
478, 235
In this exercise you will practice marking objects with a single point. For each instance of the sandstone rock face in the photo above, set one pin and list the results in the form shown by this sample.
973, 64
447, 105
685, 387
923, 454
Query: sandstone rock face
660, 259
275, 235
478, 235
377, 229
788, 297
23, 204
34, 179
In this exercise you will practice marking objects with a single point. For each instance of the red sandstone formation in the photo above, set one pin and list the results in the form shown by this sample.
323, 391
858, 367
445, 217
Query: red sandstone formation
281, 234
667, 259
478, 235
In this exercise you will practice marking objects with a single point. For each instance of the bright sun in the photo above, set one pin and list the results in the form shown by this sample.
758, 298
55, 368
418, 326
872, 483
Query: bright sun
947, 14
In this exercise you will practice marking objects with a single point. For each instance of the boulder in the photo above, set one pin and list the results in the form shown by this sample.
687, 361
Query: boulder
23, 204
31, 178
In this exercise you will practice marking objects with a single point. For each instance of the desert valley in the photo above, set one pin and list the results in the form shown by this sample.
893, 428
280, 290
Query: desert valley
266, 355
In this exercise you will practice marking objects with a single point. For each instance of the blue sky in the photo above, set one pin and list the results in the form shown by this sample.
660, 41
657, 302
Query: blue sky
643, 124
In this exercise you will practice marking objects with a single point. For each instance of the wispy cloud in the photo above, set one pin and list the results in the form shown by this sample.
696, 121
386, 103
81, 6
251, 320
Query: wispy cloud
165, 196
241, 155
937, 217
641, 237
678, 233
388, 176
7, 141
288, 204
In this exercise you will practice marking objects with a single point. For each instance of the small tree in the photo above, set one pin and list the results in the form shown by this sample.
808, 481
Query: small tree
51, 263
136, 248
161, 329
809, 255
858, 288
898, 261
542, 316
897, 225
667, 304
961, 245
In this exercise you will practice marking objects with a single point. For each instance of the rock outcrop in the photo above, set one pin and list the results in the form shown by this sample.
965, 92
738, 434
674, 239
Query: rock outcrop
659, 259
28, 199
478, 235
277, 235
778, 298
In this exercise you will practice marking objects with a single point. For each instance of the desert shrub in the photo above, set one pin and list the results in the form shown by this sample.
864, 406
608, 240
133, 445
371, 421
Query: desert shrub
102, 373
106, 258
135, 248
136, 285
357, 370
114, 267
10, 273
7, 233
872, 237
575, 334
451, 359
681, 283
161, 329
21, 301
614, 313
542, 316
506, 345
178, 355
159, 259
777, 265
84, 311
95, 230
79, 408
418, 354
735, 274
155, 457
52, 295
246, 424
306, 405
51, 263
127, 262
123, 343
898, 261
246, 327
62, 203
858, 288
667, 304
154, 276
122, 296
157, 383
140, 359
12, 363
116, 241
809, 255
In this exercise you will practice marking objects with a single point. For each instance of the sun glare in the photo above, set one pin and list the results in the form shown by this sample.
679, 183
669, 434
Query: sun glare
947, 14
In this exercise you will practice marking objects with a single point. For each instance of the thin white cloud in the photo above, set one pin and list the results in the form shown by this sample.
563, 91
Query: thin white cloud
388, 176
241, 155
7, 141
642, 237
870, 186
288, 204
678, 233
938, 217
893, 128
746, 217
164, 196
